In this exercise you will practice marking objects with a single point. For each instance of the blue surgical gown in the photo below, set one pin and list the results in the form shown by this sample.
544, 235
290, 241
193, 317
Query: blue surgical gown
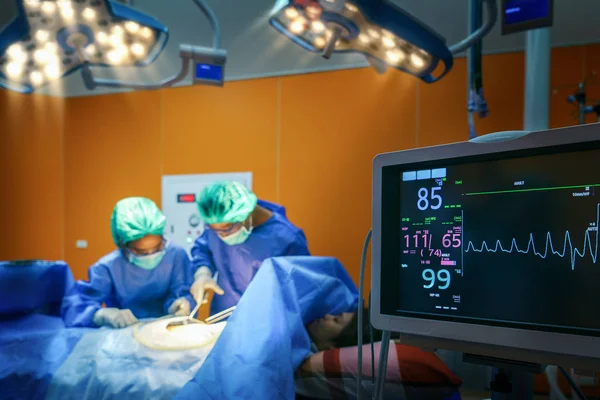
113, 280
237, 265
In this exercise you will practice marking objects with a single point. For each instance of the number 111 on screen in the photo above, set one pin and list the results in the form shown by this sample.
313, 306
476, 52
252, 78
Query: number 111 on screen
448, 240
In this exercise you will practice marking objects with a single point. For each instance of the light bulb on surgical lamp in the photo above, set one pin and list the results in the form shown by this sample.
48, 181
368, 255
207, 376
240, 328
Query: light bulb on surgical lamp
117, 30
320, 42
388, 42
89, 14
351, 8
49, 40
41, 56
15, 51
417, 60
298, 26
52, 71
132, 27
14, 69
317, 26
115, 40
395, 56
313, 12
138, 49
33, 4
67, 12
51, 47
36, 78
101, 37
291, 13
42, 36
373, 33
90, 50
378, 29
146, 33
48, 8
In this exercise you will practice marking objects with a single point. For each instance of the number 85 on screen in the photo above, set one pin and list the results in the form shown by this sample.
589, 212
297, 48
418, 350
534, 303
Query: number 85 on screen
429, 199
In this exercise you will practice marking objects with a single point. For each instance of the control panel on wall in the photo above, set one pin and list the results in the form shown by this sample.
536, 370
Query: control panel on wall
179, 195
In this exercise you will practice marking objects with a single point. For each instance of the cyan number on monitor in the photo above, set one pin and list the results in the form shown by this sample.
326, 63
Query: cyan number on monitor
443, 276
436, 200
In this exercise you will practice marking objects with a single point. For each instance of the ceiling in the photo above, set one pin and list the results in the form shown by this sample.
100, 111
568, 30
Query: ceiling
256, 50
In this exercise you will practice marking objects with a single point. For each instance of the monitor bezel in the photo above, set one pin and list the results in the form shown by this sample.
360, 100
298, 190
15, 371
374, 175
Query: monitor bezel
487, 340
546, 22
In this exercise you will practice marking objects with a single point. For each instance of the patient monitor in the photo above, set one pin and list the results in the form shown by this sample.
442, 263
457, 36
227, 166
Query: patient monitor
490, 247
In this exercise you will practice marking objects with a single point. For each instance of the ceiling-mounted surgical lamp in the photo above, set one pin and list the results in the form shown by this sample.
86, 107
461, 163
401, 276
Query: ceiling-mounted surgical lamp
384, 33
51, 39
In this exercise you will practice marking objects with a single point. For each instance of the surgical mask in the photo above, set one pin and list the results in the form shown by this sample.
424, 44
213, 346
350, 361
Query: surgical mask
147, 262
238, 237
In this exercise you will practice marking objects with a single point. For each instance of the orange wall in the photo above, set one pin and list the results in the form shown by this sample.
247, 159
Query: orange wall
308, 139
112, 150
31, 177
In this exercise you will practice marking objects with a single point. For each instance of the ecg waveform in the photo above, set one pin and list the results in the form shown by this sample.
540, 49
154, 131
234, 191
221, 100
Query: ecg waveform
573, 251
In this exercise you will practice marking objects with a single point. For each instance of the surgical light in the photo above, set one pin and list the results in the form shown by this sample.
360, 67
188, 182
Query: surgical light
50, 39
381, 31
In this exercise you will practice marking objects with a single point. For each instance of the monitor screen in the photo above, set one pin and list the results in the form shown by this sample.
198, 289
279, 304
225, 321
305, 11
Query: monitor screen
521, 15
208, 72
507, 239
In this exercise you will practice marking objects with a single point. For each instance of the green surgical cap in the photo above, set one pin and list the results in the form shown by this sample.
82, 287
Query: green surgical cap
226, 202
135, 217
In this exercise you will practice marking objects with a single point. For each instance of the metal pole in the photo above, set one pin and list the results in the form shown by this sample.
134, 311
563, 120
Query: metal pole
537, 80
382, 370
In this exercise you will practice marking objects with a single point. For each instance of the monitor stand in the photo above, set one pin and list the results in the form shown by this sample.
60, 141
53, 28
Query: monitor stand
511, 380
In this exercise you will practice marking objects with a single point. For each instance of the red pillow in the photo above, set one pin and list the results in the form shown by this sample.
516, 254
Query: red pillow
406, 365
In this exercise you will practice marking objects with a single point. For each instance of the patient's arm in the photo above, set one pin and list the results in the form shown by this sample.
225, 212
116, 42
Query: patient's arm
312, 365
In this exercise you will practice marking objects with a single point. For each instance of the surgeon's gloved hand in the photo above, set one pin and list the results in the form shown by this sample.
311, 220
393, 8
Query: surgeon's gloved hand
114, 317
203, 281
180, 307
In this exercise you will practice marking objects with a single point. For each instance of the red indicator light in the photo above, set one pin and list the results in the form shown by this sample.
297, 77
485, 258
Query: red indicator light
186, 198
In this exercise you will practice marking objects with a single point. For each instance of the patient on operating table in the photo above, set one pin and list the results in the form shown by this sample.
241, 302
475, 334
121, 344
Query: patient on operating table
335, 331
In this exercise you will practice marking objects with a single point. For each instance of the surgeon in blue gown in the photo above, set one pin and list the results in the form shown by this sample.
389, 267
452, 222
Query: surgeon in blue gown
144, 277
241, 233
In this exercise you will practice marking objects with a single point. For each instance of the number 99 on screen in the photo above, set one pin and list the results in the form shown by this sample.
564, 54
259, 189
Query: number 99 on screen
441, 279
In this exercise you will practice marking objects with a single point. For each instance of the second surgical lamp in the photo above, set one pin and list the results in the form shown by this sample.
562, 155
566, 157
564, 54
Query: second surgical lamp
51, 39
384, 33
